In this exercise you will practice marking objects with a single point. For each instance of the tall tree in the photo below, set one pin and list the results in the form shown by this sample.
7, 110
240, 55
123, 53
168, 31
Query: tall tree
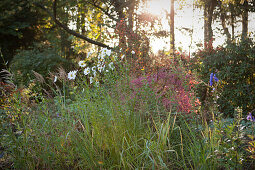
209, 6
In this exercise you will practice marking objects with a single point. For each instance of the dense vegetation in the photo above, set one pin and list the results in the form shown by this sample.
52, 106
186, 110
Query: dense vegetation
93, 96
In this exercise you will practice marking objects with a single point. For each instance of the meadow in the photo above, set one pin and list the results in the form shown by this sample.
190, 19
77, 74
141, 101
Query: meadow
106, 113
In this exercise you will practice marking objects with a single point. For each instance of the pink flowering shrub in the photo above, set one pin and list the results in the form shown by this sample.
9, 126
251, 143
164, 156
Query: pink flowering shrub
172, 86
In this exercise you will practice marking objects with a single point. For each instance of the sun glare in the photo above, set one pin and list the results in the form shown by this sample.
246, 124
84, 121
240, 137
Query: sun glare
184, 17
157, 7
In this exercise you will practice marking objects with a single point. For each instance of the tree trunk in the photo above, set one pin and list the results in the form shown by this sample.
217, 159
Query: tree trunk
130, 25
208, 17
172, 45
232, 21
223, 23
206, 38
245, 20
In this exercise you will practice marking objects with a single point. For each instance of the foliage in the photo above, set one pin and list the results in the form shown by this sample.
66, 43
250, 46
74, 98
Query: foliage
18, 26
40, 59
95, 66
109, 126
234, 67
92, 130
121, 108
223, 145
172, 85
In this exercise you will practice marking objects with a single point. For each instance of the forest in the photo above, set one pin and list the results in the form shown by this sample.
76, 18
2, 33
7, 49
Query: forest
127, 84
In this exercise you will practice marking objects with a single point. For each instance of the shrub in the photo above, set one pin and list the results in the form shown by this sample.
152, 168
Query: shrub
172, 85
235, 66
39, 59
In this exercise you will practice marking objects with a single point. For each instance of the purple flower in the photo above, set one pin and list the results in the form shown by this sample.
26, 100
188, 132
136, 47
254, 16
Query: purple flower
213, 78
250, 117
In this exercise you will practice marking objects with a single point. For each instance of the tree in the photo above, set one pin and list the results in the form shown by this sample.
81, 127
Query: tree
66, 28
115, 10
19, 27
209, 6
94, 19
227, 11
245, 10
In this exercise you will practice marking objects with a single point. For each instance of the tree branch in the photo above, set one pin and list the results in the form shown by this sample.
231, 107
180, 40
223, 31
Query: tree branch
105, 12
223, 23
68, 29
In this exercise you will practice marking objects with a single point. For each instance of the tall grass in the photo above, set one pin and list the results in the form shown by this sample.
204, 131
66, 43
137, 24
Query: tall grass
108, 127
96, 129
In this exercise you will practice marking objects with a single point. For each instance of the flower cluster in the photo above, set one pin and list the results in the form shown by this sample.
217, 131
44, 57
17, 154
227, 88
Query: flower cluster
95, 68
213, 78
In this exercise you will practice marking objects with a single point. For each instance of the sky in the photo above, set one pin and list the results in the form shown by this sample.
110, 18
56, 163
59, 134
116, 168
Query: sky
189, 18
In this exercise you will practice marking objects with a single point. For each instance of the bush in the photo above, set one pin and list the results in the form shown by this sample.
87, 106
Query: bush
172, 85
235, 66
39, 59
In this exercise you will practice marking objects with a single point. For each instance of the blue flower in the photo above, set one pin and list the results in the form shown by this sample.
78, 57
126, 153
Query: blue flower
213, 78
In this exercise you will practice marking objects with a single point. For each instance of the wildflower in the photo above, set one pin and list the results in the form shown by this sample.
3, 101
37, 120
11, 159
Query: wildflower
82, 63
86, 71
100, 64
72, 74
100, 68
250, 117
89, 53
111, 65
103, 51
90, 80
101, 57
108, 52
55, 79
133, 52
93, 69
213, 78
